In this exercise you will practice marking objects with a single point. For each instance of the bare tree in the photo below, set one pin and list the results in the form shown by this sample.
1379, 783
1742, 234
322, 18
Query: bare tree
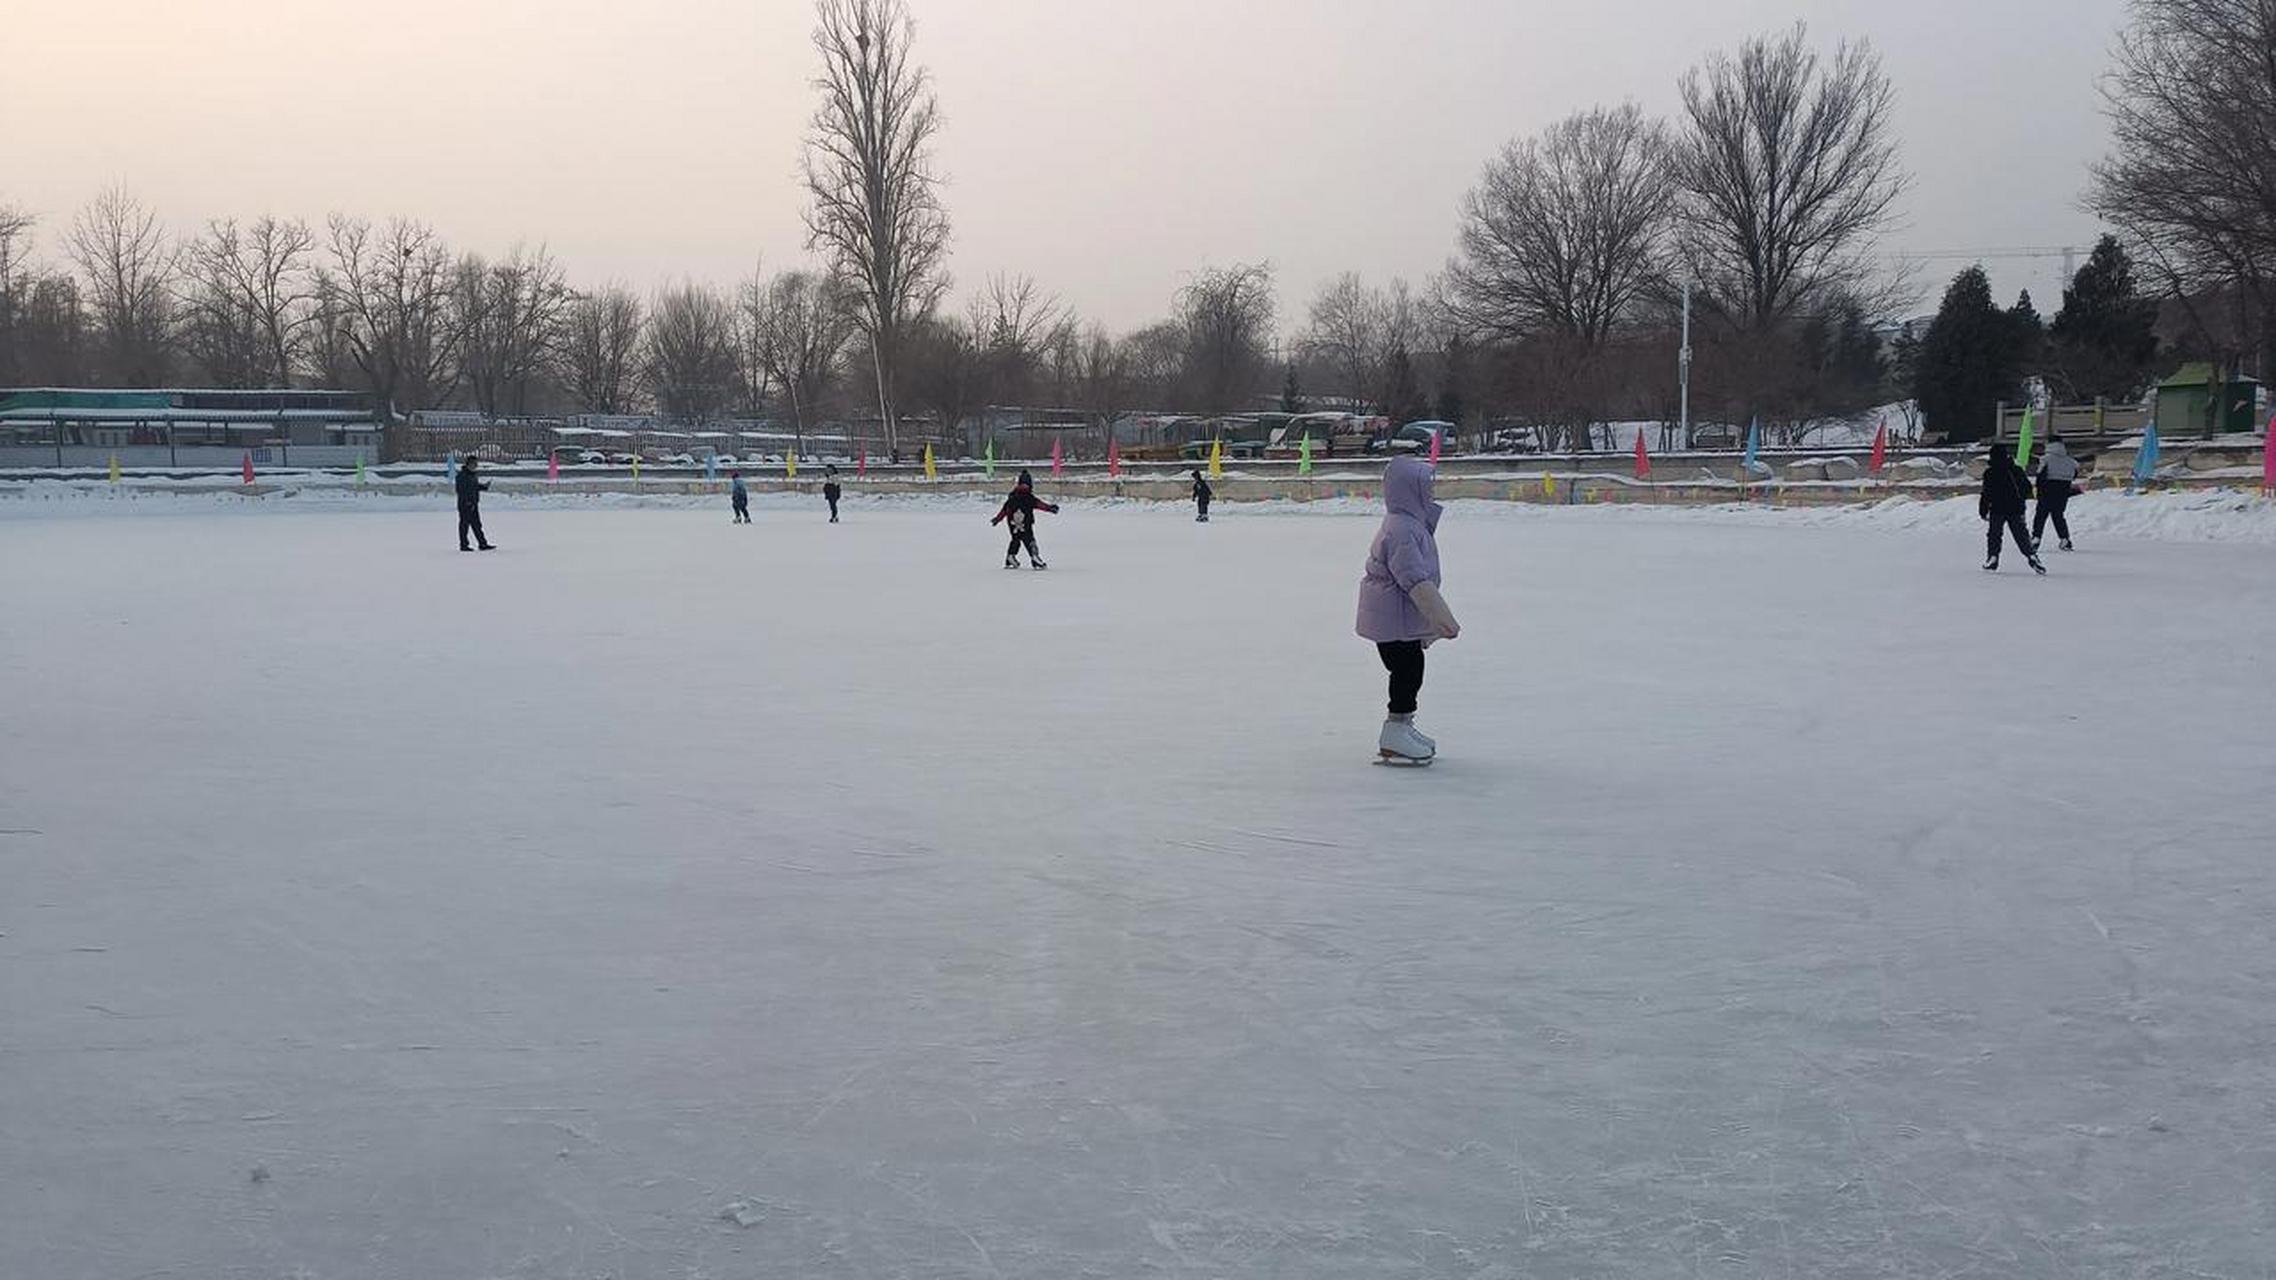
248, 299
799, 323
1786, 171
2192, 177
1103, 377
1227, 316
129, 263
875, 207
1011, 322
391, 290
16, 286
1566, 231
601, 349
509, 317
1346, 335
691, 352
947, 370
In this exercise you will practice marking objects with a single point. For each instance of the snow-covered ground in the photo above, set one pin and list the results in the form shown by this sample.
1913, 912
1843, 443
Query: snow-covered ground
659, 898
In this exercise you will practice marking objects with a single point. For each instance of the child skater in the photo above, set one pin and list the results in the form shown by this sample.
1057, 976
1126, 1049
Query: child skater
831, 492
1020, 509
1201, 495
1400, 607
739, 496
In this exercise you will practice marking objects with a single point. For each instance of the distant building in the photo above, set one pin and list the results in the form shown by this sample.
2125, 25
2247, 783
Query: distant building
76, 426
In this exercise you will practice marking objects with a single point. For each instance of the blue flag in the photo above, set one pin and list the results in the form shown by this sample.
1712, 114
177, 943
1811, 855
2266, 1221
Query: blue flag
450, 466
1754, 442
2145, 458
711, 467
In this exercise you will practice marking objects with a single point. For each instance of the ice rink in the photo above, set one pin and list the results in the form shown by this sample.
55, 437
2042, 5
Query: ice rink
660, 898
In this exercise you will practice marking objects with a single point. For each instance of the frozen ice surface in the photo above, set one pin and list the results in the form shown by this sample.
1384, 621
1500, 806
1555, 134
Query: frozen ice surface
660, 898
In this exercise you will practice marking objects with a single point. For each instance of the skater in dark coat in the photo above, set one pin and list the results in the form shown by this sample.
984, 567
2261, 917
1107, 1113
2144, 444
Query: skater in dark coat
470, 506
2006, 490
2057, 474
1202, 493
739, 496
831, 492
1019, 510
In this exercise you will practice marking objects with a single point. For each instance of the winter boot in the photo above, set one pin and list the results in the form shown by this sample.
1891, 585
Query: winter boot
1399, 741
1991, 565
1011, 562
2038, 566
2065, 544
1036, 563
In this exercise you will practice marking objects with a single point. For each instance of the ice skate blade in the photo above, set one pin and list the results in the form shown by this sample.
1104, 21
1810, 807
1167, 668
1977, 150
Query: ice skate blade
1393, 759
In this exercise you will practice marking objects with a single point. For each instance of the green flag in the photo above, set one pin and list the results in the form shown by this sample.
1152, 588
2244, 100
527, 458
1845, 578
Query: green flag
2023, 441
1304, 455
991, 459
359, 468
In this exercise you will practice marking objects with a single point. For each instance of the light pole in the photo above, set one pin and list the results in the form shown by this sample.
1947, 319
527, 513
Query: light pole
1683, 370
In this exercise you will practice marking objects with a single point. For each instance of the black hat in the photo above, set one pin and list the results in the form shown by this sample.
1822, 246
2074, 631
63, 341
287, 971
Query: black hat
1025, 478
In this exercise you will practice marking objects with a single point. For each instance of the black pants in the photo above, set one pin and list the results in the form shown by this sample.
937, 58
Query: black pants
470, 520
1203, 505
833, 509
2012, 523
1022, 538
742, 511
2054, 499
1404, 660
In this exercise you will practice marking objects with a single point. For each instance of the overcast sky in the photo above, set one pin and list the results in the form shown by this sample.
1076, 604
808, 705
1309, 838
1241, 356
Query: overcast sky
1106, 147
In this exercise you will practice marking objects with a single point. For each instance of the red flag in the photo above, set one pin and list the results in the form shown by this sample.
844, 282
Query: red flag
553, 466
1881, 446
248, 466
1643, 459
861, 461
1435, 434
1113, 458
1056, 464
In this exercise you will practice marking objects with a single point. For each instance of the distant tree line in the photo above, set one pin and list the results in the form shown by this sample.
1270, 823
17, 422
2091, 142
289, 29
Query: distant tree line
1558, 310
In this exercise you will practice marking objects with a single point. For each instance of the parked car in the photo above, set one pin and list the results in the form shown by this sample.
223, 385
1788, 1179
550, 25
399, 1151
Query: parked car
1415, 437
592, 458
1713, 435
681, 460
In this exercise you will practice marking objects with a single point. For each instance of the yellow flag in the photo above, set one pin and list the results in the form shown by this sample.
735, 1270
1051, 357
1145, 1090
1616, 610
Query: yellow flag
1217, 458
930, 474
1548, 484
636, 467
790, 461
114, 468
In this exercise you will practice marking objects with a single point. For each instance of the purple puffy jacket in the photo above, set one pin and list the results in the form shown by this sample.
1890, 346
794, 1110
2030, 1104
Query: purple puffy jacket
1405, 553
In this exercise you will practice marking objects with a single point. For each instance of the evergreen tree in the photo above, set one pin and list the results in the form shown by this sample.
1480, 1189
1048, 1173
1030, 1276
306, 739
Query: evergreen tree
1291, 395
1403, 397
1966, 365
2104, 340
1454, 372
2029, 335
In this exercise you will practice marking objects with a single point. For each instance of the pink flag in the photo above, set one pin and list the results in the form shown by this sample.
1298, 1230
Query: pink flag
861, 461
1113, 458
1435, 434
1056, 464
2268, 457
1881, 446
248, 466
553, 466
1643, 459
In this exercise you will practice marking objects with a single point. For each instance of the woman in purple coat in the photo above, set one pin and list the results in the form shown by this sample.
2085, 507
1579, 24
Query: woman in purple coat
1400, 607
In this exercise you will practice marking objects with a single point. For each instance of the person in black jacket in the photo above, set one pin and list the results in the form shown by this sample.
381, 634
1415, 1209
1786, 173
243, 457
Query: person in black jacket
1202, 493
2005, 493
831, 492
470, 506
1019, 509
